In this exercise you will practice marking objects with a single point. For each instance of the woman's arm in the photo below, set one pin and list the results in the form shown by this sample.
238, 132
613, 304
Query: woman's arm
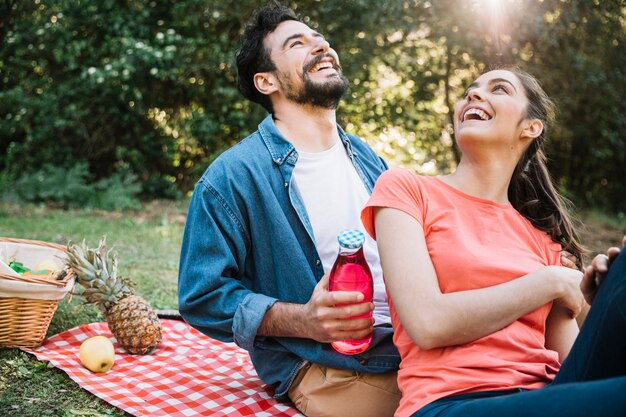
433, 319
561, 331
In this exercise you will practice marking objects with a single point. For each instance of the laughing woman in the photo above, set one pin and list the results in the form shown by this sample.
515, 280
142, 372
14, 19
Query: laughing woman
483, 311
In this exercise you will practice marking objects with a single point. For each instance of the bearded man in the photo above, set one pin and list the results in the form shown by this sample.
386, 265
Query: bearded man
262, 225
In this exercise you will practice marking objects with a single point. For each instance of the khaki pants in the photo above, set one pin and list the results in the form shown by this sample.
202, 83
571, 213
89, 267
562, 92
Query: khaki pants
318, 391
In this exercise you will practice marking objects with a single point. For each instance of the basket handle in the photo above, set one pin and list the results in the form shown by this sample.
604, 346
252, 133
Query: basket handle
34, 242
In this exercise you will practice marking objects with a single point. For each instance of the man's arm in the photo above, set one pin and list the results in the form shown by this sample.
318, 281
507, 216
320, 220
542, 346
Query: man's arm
211, 297
213, 301
322, 318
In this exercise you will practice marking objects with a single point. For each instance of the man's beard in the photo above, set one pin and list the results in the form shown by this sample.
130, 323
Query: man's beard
325, 94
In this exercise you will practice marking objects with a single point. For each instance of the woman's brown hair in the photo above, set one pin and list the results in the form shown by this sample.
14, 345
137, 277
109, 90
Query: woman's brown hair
532, 191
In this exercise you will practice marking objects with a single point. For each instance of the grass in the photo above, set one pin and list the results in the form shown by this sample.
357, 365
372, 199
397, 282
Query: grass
148, 243
618, 220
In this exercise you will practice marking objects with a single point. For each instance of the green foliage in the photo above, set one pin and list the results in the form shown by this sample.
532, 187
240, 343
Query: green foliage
70, 188
582, 62
149, 87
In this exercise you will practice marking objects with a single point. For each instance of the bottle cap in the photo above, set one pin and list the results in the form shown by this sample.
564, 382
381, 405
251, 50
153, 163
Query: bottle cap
351, 239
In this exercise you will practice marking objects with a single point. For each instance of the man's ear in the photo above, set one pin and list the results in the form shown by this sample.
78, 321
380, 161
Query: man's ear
532, 128
265, 82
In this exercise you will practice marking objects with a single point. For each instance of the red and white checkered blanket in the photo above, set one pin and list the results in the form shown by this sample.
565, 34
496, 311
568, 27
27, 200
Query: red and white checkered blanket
189, 374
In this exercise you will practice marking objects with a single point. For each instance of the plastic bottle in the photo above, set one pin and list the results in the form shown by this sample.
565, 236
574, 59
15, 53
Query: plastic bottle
351, 273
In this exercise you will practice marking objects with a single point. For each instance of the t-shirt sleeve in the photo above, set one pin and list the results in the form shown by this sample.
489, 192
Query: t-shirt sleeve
399, 189
553, 252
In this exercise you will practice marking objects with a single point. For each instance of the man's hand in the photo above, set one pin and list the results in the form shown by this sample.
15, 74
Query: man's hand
328, 319
596, 272
324, 318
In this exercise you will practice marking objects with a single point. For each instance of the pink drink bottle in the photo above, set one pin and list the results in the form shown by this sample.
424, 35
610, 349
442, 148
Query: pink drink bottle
351, 273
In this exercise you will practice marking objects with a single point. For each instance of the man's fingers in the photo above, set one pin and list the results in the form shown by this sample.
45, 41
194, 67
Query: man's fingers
351, 325
595, 273
587, 283
342, 297
600, 263
351, 329
349, 312
353, 310
346, 311
612, 254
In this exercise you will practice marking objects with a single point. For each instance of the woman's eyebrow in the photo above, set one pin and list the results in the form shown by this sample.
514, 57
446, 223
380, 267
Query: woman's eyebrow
491, 82
502, 80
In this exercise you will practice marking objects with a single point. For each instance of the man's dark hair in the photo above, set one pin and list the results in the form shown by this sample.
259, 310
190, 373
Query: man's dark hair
252, 56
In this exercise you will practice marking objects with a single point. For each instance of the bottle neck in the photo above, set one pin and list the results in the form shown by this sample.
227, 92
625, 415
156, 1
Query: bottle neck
349, 251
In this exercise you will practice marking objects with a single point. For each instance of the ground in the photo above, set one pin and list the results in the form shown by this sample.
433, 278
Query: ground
597, 236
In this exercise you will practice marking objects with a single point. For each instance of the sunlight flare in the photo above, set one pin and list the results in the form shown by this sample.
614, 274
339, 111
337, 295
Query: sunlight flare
496, 18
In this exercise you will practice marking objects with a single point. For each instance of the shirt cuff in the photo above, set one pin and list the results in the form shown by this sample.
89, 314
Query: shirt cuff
248, 318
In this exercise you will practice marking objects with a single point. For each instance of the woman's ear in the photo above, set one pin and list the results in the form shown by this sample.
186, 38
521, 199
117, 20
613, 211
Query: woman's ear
532, 128
265, 83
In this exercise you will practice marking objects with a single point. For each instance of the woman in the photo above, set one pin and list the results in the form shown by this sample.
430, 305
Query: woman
483, 311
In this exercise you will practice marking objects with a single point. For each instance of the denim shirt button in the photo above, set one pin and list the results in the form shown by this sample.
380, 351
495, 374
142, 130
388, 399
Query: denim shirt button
286, 185
318, 262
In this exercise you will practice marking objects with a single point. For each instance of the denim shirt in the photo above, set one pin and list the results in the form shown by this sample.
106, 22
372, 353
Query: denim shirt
248, 243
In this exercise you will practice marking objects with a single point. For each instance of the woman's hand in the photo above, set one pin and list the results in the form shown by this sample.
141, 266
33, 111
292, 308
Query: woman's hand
596, 272
568, 260
569, 284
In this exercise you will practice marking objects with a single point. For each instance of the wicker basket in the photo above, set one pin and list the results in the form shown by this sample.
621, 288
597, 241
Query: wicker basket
27, 304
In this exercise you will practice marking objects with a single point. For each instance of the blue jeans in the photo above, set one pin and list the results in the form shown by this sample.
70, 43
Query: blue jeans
591, 382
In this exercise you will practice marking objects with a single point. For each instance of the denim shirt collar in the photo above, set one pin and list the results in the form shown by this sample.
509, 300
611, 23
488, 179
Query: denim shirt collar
281, 149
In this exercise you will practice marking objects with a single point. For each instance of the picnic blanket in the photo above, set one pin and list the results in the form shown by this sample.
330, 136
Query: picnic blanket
189, 374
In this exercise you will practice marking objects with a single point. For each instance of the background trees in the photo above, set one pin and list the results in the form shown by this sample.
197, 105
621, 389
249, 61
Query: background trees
125, 97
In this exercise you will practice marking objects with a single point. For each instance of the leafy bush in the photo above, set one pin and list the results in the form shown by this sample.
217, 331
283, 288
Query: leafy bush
149, 86
117, 192
71, 188
7, 193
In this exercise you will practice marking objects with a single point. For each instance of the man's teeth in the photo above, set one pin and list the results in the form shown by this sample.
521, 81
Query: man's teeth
321, 66
475, 112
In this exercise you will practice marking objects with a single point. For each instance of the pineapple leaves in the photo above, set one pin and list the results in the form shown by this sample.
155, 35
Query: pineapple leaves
97, 273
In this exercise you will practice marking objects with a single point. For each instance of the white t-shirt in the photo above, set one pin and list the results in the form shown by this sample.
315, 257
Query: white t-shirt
333, 195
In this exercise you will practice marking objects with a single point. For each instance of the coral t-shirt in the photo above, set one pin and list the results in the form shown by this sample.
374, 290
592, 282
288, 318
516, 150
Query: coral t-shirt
473, 243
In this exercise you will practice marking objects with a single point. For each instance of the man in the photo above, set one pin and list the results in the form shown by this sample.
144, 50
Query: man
261, 232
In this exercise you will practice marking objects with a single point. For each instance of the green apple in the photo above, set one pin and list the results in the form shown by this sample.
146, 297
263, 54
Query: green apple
97, 354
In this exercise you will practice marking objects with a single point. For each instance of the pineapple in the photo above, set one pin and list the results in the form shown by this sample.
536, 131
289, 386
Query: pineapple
132, 321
